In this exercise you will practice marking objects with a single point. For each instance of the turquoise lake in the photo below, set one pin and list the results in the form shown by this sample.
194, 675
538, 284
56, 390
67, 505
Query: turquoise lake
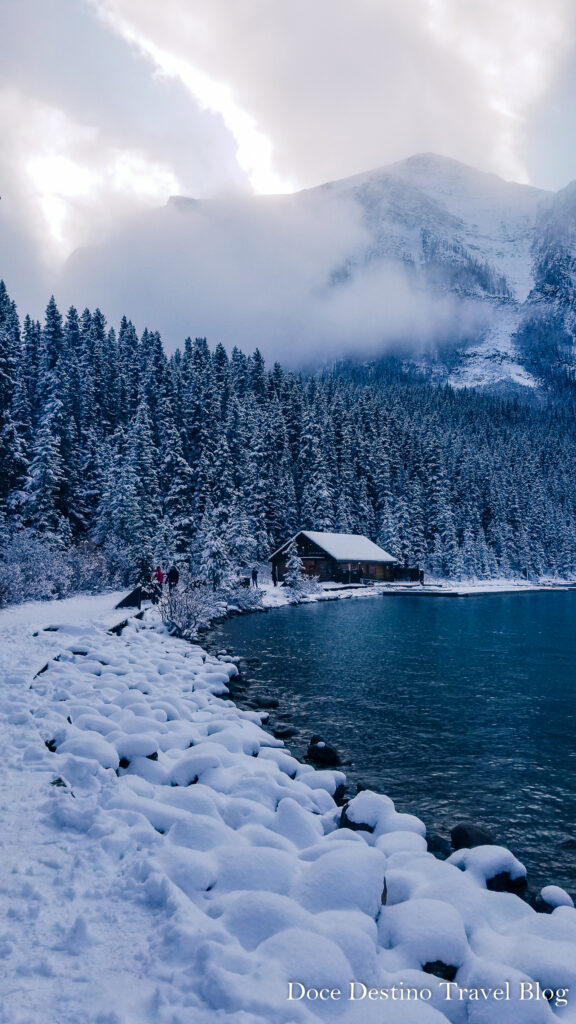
457, 708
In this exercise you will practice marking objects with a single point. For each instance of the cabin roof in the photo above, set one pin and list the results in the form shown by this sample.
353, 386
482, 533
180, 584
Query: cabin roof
344, 547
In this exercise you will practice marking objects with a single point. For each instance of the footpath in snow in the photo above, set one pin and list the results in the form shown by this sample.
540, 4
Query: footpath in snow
165, 860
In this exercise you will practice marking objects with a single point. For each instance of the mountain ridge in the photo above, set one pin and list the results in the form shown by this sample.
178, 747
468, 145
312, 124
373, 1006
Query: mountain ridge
485, 269
528, 243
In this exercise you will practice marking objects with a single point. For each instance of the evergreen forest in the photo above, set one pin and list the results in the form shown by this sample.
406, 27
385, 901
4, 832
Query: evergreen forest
115, 456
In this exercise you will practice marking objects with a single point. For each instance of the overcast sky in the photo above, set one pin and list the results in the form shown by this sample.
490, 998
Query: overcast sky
108, 107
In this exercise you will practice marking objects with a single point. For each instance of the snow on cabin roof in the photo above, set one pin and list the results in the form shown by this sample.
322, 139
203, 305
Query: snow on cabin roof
349, 547
345, 547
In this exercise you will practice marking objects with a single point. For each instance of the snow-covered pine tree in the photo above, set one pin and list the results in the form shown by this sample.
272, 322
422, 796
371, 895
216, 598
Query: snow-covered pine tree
50, 355
43, 508
212, 558
294, 576
240, 542
10, 355
177, 486
142, 457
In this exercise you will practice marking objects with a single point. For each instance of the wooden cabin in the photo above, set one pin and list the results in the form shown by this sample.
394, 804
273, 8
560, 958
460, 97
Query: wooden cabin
338, 558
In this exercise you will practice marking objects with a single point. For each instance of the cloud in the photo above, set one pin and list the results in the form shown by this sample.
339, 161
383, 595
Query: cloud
109, 106
338, 88
90, 133
260, 272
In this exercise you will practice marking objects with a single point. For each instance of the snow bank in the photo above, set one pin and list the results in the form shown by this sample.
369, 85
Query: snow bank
277, 597
167, 861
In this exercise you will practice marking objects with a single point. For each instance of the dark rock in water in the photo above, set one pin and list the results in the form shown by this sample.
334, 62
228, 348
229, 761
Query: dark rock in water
252, 662
540, 905
237, 683
284, 732
466, 835
266, 702
503, 882
340, 795
439, 846
236, 689
441, 970
567, 844
322, 754
354, 826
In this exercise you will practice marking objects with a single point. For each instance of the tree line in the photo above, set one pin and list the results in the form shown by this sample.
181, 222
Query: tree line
115, 456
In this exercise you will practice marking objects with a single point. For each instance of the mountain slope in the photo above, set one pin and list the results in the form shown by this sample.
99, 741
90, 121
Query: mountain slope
462, 232
473, 276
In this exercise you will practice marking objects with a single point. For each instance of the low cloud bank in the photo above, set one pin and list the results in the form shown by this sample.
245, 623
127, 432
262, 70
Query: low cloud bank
287, 274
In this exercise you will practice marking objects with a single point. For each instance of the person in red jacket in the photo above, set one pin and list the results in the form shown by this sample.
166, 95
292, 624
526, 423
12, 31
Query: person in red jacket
157, 581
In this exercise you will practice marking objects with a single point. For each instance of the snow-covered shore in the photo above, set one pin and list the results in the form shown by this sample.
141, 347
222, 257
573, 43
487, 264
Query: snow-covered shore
277, 597
166, 860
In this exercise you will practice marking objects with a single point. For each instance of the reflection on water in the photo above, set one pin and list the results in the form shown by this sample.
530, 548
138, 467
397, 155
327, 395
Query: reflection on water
457, 708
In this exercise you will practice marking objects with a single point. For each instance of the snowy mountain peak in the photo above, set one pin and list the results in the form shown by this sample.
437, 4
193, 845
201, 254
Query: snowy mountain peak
472, 235
427, 253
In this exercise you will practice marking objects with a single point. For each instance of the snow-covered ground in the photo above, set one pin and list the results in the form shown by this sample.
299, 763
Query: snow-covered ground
165, 860
494, 359
22, 650
277, 597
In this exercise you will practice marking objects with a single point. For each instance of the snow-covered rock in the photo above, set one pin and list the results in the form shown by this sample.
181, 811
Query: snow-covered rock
554, 896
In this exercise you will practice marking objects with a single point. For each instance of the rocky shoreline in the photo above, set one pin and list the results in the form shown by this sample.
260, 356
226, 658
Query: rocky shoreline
321, 754
207, 869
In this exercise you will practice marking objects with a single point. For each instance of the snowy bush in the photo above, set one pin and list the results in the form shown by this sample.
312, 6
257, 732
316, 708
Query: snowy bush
194, 605
89, 568
33, 567
247, 599
123, 568
36, 566
191, 607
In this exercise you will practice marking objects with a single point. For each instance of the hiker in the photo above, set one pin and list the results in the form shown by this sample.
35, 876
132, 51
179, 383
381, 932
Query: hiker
274, 576
157, 582
254, 577
173, 577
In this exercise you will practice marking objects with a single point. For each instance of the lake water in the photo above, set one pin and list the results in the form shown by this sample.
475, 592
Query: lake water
457, 708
